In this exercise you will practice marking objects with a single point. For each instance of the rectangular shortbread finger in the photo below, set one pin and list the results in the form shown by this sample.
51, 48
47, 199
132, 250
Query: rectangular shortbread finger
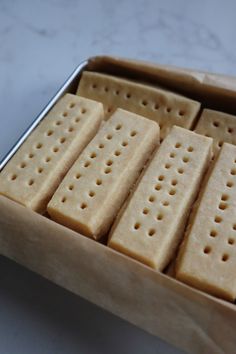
207, 258
35, 171
94, 189
218, 125
152, 224
162, 106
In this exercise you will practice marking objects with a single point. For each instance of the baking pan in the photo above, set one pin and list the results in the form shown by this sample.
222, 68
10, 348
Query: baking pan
186, 317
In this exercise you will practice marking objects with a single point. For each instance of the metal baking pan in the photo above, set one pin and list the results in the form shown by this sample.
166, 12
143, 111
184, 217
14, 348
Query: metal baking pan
70, 85
153, 301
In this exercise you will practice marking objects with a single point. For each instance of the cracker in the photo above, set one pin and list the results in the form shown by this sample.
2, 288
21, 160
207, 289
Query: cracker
218, 125
162, 106
35, 171
94, 189
207, 259
152, 224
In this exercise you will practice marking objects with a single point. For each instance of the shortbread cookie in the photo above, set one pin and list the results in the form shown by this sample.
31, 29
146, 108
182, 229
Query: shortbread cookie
207, 259
151, 226
160, 105
35, 171
92, 192
218, 125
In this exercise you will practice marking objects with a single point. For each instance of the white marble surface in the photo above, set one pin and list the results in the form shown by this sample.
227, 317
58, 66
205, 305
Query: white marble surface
40, 44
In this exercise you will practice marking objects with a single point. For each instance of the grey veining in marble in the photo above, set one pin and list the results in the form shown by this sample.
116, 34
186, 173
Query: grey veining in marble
41, 42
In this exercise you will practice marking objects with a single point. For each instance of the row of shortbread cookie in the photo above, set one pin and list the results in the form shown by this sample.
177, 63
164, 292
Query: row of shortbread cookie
52, 148
151, 223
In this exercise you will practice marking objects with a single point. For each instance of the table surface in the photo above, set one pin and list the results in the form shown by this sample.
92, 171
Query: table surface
41, 42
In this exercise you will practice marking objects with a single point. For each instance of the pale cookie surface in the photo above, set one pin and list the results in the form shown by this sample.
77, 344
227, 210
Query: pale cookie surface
207, 258
36, 170
151, 226
162, 106
94, 189
218, 125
